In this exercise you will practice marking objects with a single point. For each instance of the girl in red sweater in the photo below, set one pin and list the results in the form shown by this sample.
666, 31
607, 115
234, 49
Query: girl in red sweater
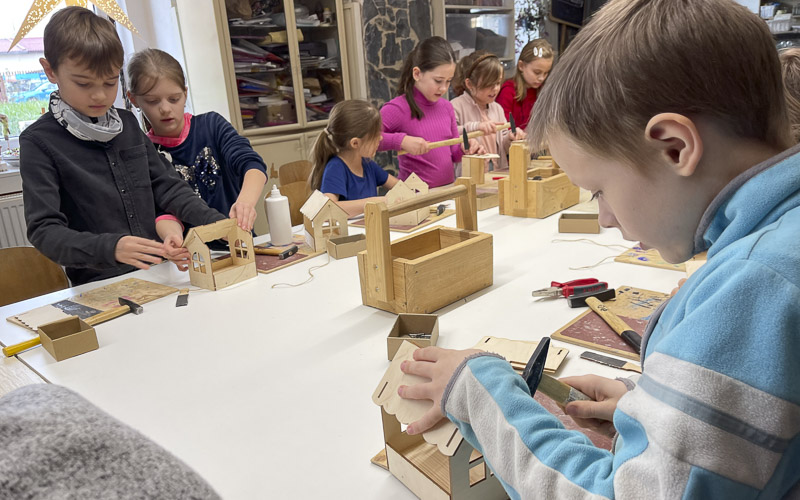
518, 94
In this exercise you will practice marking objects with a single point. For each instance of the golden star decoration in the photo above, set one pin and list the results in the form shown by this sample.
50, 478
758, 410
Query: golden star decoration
40, 8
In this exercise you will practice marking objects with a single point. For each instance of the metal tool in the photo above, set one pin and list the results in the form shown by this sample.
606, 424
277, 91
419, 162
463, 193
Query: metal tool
465, 138
579, 300
570, 288
536, 379
513, 124
612, 362
183, 298
281, 253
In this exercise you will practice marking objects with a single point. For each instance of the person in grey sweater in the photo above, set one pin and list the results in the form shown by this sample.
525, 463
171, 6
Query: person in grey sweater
56, 444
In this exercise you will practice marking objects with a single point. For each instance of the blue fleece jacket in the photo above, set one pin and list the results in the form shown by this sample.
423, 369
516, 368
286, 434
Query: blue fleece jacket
716, 413
214, 159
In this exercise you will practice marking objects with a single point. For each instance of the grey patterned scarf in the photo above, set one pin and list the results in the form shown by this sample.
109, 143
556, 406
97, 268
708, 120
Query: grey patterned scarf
101, 129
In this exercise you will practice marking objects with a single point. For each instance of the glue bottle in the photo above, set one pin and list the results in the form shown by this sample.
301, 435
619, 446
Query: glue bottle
278, 217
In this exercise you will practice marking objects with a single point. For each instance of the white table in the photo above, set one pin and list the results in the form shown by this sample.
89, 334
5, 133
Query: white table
267, 392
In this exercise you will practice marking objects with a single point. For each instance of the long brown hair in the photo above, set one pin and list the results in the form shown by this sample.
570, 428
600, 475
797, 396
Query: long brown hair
147, 67
482, 68
348, 120
790, 68
429, 54
535, 49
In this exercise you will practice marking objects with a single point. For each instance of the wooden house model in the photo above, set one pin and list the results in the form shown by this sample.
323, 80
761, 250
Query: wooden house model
238, 266
323, 219
405, 190
440, 463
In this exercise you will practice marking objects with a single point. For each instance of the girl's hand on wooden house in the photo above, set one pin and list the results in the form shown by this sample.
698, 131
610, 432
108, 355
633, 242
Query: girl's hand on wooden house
245, 214
438, 365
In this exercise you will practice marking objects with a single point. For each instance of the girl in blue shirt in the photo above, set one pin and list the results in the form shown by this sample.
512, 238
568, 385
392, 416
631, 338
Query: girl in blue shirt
343, 167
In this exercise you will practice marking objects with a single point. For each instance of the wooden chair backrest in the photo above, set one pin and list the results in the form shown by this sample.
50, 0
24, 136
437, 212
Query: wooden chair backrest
298, 193
295, 171
27, 273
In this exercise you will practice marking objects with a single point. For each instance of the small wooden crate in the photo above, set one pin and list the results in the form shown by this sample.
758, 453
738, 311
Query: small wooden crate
430, 269
522, 196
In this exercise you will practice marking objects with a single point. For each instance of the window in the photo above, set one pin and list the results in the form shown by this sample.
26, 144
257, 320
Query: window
198, 263
24, 88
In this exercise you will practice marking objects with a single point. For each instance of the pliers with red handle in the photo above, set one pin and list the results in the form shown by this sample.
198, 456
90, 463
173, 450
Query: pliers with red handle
570, 288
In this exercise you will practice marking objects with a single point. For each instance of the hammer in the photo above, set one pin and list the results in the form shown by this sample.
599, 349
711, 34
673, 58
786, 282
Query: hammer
125, 307
463, 140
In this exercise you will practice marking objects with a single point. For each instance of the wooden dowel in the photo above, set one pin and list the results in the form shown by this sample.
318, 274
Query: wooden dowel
459, 140
107, 315
426, 200
22, 346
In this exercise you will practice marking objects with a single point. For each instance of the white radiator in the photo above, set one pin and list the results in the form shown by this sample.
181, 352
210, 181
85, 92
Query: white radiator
12, 221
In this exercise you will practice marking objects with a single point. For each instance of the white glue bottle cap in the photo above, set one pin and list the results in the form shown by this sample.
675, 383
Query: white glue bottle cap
279, 218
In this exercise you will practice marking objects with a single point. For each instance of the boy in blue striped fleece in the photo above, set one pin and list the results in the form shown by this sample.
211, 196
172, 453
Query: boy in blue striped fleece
671, 112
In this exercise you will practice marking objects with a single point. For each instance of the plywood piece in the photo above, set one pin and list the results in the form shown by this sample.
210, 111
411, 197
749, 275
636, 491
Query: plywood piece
649, 258
519, 352
380, 459
633, 305
406, 190
322, 219
413, 478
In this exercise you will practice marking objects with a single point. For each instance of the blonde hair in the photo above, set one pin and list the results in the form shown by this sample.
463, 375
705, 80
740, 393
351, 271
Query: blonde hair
790, 66
427, 55
535, 49
77, 33
482, 68
713, 59
348, 120
147, 67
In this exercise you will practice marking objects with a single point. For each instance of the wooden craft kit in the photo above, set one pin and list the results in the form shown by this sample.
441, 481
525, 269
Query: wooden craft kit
240, 265
323, 219
430, 269
537, 193
650, 258
422, 330
346, 246
579, 223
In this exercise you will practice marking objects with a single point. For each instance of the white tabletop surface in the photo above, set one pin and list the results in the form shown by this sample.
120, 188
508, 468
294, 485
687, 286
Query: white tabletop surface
266, 392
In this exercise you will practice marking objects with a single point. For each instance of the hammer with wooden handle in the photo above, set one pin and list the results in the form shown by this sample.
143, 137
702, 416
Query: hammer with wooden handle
457, 140
125, 307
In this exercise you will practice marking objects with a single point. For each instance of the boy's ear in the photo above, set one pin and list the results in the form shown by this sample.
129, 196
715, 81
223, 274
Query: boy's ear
677, 141
48, 70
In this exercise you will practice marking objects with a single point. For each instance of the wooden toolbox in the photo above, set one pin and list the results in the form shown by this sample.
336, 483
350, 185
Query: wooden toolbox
430, 269
536, 193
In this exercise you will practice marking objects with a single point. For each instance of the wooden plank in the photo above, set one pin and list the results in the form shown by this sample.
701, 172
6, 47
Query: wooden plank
414, 479
431, 198
16, 374
380, 283
466, 206
518, 158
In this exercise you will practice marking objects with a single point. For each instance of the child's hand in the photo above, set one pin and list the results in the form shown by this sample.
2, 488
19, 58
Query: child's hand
520, 135
175, 253
438, 365
488, 128
415, 145
245, 214
475, 148
675, 290
597, 414
138, 252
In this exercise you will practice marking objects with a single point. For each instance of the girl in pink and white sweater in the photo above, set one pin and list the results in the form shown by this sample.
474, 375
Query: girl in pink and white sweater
419, 115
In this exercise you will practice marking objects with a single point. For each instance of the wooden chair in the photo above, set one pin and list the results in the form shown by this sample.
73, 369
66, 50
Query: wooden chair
293, 179
27, 273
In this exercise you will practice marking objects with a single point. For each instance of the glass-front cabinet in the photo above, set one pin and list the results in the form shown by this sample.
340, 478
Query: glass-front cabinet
471, 25
286, 69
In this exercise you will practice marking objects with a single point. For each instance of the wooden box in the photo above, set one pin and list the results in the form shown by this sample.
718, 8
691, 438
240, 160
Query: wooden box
68, 337
578, 223
430, 269
346, 246
536, 193
406, 324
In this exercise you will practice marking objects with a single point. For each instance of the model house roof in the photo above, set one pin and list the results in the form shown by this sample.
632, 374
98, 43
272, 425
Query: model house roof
316, 202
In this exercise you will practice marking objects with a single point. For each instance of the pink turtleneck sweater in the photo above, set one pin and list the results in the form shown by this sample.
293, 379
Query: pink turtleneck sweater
437, 124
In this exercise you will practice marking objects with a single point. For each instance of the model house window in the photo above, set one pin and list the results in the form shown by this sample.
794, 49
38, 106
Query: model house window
198, 263
240, 249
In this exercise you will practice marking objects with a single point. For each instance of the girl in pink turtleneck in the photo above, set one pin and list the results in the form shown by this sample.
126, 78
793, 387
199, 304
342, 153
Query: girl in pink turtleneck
419, 115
